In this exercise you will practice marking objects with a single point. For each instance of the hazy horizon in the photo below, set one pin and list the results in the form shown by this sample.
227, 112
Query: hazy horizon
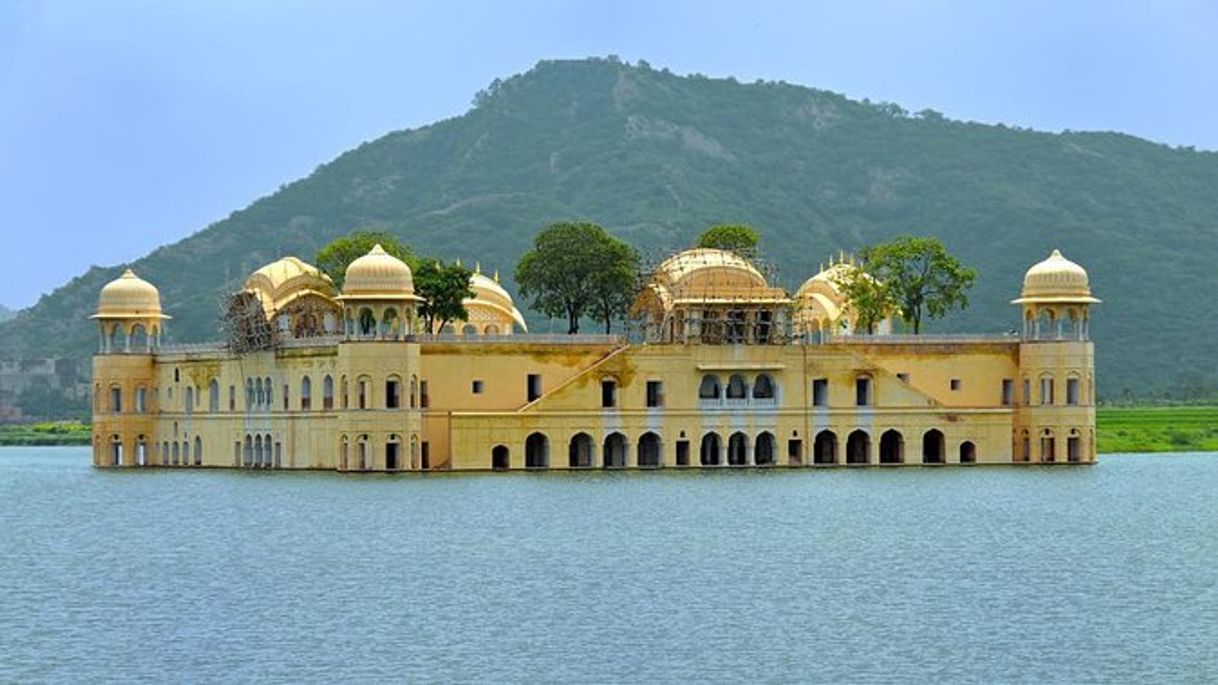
135, 125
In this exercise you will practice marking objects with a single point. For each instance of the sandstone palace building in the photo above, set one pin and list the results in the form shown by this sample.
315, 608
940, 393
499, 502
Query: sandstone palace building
726, 371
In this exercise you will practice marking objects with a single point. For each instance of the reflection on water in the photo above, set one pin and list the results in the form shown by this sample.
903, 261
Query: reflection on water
1031, 574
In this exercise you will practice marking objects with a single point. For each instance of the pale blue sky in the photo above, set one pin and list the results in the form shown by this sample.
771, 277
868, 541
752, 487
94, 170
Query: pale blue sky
127, 125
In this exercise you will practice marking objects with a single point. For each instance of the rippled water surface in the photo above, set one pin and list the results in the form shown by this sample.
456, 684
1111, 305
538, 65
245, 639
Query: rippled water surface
952, 574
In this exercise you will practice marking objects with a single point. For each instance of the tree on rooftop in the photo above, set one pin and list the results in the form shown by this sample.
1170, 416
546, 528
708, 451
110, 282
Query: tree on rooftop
444, 288
576, 268
738, 238
922, 280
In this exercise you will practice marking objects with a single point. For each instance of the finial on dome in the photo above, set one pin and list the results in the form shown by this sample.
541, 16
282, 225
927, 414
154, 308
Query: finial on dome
377, 249
1056, 253
128, 273
478, 268
458, 261
496, 275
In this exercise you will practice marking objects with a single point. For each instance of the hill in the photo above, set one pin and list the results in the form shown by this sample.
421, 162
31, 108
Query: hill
656, 157
6, 313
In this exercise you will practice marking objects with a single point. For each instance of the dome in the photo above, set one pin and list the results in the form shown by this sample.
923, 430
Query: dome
378, 275
129, 296
710, 274
283, 281
488, 294
1056, 279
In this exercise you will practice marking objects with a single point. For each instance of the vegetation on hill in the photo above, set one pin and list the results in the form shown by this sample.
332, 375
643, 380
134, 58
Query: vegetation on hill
655, 158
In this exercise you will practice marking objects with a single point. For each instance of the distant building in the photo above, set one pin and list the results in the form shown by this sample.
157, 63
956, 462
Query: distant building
731, 372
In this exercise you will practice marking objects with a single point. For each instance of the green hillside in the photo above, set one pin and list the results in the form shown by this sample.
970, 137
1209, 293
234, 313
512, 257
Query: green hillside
656, 157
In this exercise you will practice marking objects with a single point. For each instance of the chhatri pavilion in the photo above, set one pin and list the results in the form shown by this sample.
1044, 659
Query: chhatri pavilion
728, 370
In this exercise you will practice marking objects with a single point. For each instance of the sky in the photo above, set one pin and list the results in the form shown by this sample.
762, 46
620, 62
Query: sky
128, 125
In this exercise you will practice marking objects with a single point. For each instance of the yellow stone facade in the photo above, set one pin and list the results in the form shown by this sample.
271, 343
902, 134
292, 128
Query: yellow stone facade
730, 371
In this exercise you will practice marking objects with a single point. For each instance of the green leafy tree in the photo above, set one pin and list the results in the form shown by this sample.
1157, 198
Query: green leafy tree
615, 285
571, 267
444, 288
870, 300
340, 252
738, 238
922, 279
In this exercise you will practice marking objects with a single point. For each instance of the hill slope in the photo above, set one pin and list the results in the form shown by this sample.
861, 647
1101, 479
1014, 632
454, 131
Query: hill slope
656, 157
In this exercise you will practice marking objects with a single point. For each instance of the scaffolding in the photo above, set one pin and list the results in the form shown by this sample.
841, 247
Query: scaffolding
710, 297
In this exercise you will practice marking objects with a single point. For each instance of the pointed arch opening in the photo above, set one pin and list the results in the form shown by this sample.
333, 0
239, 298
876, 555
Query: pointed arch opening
858, 447
824, 449
710, 451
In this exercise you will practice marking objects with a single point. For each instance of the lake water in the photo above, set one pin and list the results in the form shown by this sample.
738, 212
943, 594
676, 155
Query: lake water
1106, 573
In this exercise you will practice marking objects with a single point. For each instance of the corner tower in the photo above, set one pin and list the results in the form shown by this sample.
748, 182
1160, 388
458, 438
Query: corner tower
130, 323
1056, 417
379, 418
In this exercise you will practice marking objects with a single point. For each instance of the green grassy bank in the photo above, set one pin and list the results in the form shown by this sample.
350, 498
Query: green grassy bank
1157, 429
49, 433
1119, 429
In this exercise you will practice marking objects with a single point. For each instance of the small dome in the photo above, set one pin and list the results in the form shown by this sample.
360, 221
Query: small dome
1056, 279
285, 280
378, 275
129, 297
489, 295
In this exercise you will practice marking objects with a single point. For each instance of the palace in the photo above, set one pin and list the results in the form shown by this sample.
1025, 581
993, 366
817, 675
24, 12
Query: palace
728, 371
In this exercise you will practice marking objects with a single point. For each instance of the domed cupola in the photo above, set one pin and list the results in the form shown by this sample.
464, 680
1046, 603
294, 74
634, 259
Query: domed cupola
378, 297
378, 275
129, 311
491, 309
1056, 297
1056, 279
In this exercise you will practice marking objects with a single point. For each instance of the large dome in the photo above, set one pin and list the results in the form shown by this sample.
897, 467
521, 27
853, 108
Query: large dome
710, 274
285, 280
378, 275
1056, 279
129, 297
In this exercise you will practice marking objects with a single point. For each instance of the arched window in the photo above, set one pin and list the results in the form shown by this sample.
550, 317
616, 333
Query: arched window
469, 329
1074, 446
393, 452
858, 448
737, 389
165, 453
824, 449
491, 329
580, 451
892, 447
198, 451
968, 452
393, 393
344, 393
710, 450
1048, 446
116, 450
269, 400
709, 389
537, 451
249, 451
363, 453
367, 323
213, 396
141, 400
116, 399
258, 451
414, 391
250, 397
363, 389
344, 449
933, 450
327, 392
763, 387
614, 453
139, 338
500, 458
177, 453
763, 449
649, 454
141, 451
306, 393
737, 448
